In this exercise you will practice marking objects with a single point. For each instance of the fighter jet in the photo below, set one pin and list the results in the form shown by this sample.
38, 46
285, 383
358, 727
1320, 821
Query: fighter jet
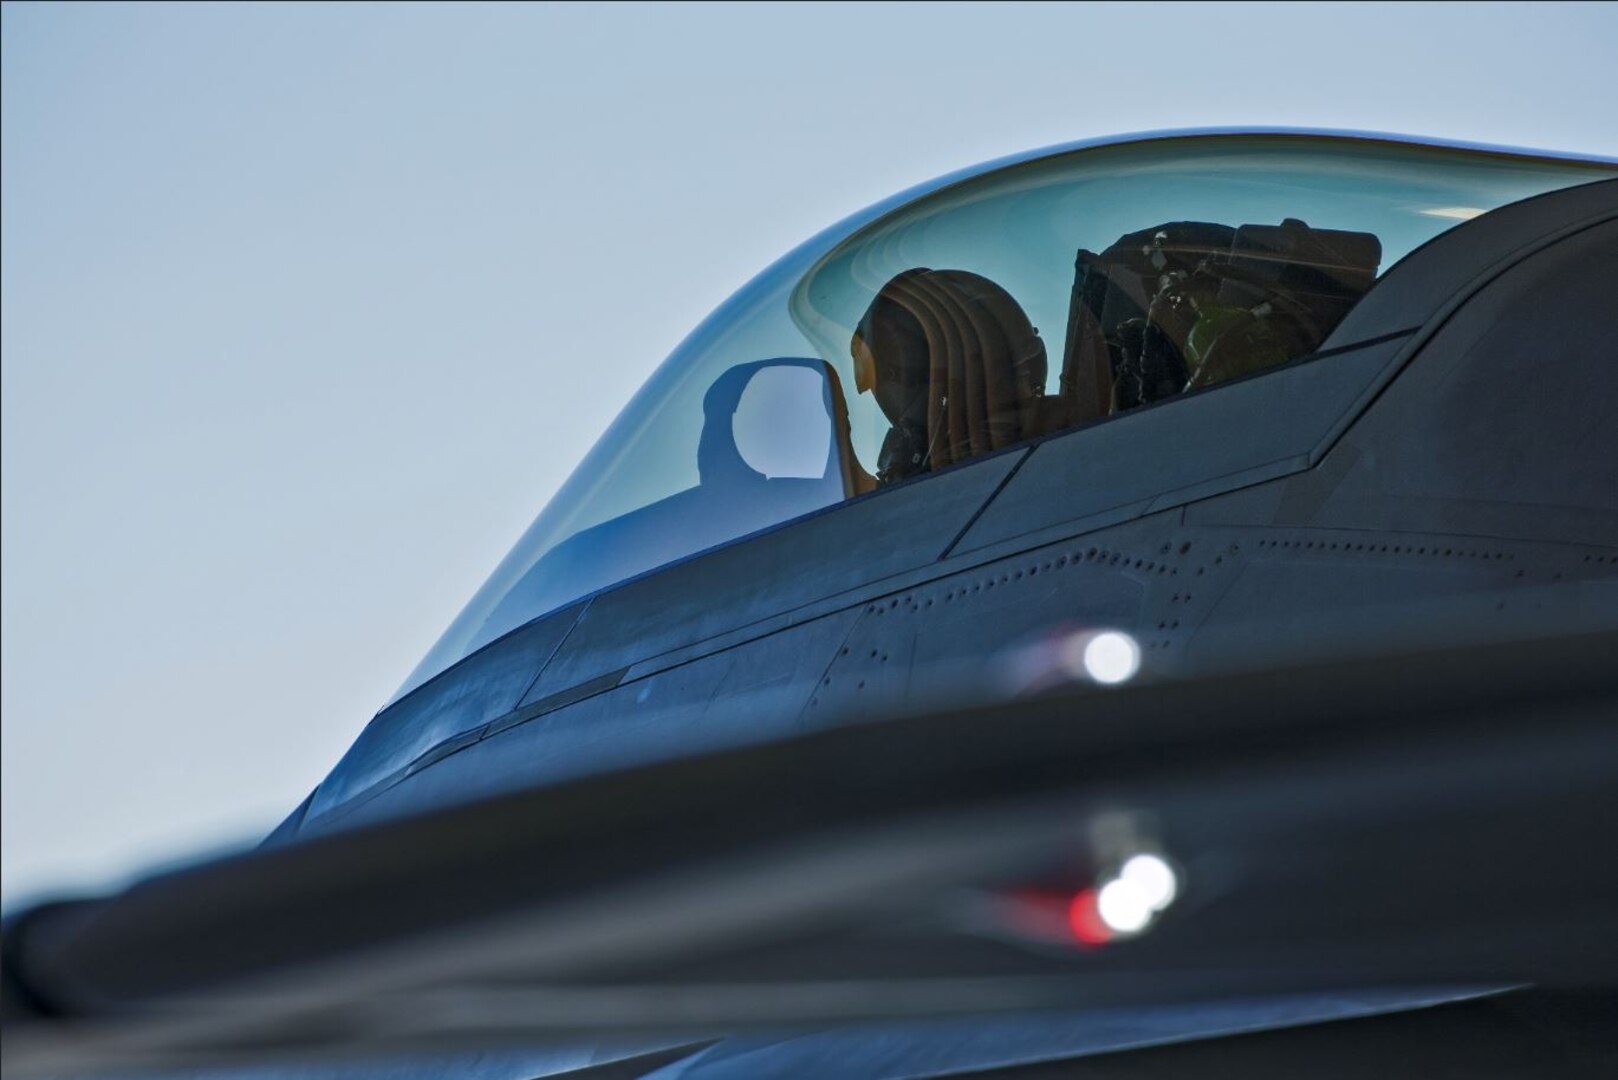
1143, 607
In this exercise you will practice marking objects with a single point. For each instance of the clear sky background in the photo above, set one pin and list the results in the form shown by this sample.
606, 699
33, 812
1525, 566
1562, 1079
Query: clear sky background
308, 310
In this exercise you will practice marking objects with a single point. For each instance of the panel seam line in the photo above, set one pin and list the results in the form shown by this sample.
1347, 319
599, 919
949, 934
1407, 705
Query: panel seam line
989, 501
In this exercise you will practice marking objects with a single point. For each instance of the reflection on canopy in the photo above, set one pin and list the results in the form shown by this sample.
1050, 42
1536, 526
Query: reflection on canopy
1153, 266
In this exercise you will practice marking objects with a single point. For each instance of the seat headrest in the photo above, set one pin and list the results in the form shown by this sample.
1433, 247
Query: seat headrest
966, 343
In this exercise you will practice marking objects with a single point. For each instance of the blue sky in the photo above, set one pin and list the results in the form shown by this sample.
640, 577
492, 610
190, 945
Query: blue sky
308, 309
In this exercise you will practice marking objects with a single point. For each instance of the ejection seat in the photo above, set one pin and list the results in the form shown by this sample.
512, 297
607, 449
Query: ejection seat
955, 365
1189, 304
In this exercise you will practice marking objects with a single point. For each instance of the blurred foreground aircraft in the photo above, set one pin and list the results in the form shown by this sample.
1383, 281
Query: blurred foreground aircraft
1143, 608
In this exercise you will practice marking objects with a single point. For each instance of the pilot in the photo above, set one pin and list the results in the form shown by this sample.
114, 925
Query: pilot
955, 366
890, 363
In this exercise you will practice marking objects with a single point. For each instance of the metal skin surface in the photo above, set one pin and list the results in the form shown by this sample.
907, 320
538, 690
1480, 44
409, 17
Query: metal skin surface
838, 556
1443, 472
1411, 482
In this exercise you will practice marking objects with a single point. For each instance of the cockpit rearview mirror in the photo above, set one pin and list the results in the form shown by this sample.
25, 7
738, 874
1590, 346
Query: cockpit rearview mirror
773, 420
782, 425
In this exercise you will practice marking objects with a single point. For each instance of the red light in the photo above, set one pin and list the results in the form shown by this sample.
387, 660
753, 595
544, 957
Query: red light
1084, 918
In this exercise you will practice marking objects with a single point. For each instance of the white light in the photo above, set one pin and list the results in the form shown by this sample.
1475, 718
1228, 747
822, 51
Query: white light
1124, 906
1459, 213
1111, 657
1154, 877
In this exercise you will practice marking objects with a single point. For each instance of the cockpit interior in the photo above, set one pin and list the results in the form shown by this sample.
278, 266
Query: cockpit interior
1002, 305
959, 370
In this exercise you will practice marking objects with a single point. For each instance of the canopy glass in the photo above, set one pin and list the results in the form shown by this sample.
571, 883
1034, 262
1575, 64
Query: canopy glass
975, 313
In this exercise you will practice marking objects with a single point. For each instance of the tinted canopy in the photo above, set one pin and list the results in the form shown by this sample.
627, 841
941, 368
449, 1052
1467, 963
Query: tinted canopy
985, 309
